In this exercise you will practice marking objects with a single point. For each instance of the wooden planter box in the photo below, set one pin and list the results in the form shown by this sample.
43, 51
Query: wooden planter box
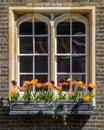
50, 108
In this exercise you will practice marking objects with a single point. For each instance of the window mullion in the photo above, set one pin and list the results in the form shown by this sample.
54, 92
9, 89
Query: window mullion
33, 47
33, 51
52, 50
71, 47
18, 56
86, 54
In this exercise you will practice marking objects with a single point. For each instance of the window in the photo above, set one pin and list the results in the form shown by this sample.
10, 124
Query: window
33, 55
71, 52
52, 45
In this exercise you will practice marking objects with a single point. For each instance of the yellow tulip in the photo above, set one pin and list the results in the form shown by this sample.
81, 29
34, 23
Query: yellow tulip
92, 85
13, 91
79, 83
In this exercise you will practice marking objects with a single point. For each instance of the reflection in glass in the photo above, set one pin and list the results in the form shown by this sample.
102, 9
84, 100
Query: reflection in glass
78, 44
25, 77
63, 64
79, 77
63, 45
78, 64
41, 64
41, 44
78, 28
26, 45
63, 28
63, 77
26, 28
42, 78
26, 64
40, 28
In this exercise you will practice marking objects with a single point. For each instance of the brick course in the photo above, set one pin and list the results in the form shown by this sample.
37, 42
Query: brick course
93, 122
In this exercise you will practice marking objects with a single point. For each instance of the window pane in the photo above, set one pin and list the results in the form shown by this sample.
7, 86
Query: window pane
78, 44
25, 77
63, 45
79, 77
78, 28
63, 64
63, 28
41, 64
26, 28
62, 77
42, 78
40, 28
26, 45
78, 64
41, 44
26, 64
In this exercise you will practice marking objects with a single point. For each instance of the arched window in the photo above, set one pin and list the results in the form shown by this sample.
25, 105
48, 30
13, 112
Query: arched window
71, 50
33, 54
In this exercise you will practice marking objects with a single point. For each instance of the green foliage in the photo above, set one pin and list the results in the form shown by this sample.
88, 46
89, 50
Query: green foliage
91, 95
61, 96
43, 95
76, 96
14, 97
27, 95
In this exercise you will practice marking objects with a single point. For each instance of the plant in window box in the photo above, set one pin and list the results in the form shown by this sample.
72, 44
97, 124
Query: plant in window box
76, 98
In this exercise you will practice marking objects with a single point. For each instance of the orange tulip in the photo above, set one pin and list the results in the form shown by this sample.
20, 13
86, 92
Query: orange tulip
86, 98
39, 85
58, 88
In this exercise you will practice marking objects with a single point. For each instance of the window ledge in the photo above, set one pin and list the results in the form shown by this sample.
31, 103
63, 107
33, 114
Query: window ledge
51, 107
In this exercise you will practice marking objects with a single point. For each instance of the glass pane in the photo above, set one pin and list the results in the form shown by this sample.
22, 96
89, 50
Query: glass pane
63, 64
63, 28
26, 64
41, 44
40, 28
25, 77
26, 28
26, 45
41, 64
42, 78
78, 28
63, 45
62, 77
78, 64
79, 77
78, 44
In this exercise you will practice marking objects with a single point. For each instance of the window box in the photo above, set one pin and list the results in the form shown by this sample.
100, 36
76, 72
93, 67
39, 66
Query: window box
51, 107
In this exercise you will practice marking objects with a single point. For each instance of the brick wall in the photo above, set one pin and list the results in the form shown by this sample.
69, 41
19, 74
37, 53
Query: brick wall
93, 122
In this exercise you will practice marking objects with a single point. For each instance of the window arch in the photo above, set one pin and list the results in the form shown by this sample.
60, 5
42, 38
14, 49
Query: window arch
76, 16
38, 16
